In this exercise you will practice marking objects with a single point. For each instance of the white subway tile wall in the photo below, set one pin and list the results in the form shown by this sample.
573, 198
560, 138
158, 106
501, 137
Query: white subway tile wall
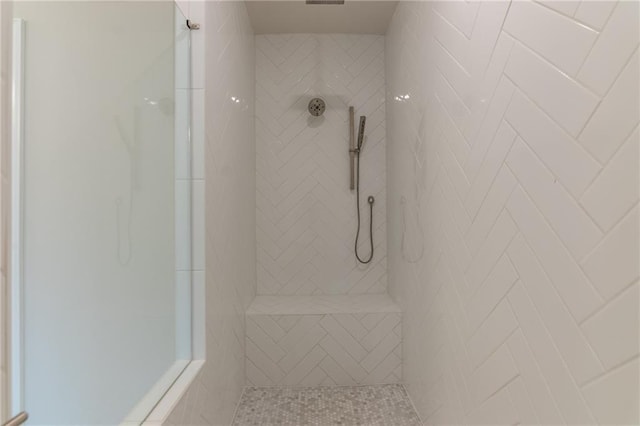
513, 193
306, 214
224, 156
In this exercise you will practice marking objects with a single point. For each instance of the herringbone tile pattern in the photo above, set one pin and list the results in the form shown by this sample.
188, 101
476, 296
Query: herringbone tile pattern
306, 218
324, 349
513, 164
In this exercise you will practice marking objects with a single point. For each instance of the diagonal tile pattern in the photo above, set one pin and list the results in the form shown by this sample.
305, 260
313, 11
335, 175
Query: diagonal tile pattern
305, 215
349, 344
513, 243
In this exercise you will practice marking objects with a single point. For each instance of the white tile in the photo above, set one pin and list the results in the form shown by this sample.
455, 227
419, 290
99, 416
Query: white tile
260, 360
490, 252
181, 134
614, 399
580, 358
497, 410
493, 332
302, 169
181, 52
493, 374
198, 310
567, 7
351, 366
534, 381
492, 121
197, 134
614, 263
198, 225
183, 225
561, 153
455, 204
490, 168
196, 10
455, 106
454, 41
520, 399
486, 32
459, 13
563, 42
384, 327
495, 287
262, 340
566, 393
452, 71
618, 40
574, 227
455, 172
183, 5
564, 100
492, 206
344, 339
183, 314
484, 89
617, 188
572, 285
614, 331
594, 13
617, 115
549, 109
377, 356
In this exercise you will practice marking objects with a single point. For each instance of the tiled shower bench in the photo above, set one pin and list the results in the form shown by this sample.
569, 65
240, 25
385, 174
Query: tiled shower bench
323, 340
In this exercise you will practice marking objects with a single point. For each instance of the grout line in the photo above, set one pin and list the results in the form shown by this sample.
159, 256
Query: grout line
607, 234
413, 405
235, 411
600, 31
554, 290
608, 302
570, 17
609, 371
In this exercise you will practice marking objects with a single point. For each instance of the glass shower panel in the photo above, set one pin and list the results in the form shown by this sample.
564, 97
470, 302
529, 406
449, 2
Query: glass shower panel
105, 240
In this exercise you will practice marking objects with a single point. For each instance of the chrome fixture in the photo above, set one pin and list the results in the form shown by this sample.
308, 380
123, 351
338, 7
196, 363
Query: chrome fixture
17, 420
354, 151
352, 148
316, 107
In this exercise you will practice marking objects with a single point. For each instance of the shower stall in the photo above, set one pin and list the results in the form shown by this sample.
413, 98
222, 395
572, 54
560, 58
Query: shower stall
325, 212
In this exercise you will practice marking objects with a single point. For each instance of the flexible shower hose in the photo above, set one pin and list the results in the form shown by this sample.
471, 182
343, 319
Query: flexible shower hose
370, 200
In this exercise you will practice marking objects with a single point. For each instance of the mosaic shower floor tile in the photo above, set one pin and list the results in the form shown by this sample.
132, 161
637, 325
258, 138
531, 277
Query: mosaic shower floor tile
387, 405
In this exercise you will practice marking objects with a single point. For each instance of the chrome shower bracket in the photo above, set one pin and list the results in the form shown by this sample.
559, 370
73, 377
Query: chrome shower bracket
352, 147
192, 25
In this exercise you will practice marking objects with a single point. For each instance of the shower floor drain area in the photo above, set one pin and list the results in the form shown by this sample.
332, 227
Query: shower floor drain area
387, 405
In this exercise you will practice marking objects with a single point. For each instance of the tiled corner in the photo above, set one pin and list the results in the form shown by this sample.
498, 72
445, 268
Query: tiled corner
220, 244
513, 243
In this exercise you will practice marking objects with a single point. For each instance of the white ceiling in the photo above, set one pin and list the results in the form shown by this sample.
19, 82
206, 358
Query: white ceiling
289, 16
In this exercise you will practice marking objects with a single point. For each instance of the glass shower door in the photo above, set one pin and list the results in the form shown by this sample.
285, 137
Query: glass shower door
102, 239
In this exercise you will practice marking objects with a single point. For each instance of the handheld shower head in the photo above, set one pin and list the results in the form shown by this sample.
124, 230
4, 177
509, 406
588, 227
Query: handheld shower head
363, 119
